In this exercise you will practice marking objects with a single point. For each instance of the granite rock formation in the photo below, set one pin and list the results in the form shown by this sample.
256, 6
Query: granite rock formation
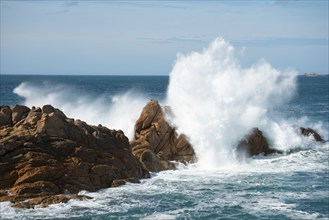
156, 143
46, 157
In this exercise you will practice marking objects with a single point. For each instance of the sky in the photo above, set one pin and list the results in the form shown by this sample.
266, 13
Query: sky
144, 37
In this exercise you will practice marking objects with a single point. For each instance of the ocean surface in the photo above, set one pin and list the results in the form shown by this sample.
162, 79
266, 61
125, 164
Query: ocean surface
290, 186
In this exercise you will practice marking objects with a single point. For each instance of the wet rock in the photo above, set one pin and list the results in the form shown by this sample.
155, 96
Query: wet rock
255, 143
44, 201
121, 182
44, 155
310, 132
156, 143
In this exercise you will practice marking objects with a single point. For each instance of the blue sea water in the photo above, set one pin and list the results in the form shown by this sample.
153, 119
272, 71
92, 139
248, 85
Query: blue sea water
290, 186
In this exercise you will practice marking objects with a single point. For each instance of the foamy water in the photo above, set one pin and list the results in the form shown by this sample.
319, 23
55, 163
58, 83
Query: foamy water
263, 188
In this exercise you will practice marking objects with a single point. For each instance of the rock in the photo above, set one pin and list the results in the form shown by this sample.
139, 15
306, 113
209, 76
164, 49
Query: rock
19, 112
156, 143
151, 161
254, 144
5, 116
44, 201
308, 132
48, 109
120, 182
46, 157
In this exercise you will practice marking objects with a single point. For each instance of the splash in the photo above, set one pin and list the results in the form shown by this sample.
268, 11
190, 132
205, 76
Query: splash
118, 111
216, 101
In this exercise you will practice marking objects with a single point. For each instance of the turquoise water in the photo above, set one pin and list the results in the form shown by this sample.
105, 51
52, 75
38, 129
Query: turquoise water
289, 186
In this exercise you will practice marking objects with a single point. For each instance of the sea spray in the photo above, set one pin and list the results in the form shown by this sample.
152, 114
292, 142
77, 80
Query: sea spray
216, 102
118, 111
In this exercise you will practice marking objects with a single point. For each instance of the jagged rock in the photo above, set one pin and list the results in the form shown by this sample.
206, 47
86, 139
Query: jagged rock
156, 143
309, 132
254, 144
44, 154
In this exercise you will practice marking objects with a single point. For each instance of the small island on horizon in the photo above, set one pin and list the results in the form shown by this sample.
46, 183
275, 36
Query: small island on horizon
312, 74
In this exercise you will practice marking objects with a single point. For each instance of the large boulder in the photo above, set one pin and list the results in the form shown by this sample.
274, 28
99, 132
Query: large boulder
156, 143
255, 143
46, 157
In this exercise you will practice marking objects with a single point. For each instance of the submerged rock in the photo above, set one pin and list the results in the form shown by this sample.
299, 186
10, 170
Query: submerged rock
254, 144
46, 157
156, 143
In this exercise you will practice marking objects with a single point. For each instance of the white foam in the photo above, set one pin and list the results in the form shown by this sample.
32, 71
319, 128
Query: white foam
277, 206
160, 216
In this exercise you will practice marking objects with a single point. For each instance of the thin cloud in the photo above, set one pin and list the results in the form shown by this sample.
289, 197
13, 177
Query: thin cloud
67, 7
172, 40
62, 11
149, 4
71, 4
284, 2
267, 42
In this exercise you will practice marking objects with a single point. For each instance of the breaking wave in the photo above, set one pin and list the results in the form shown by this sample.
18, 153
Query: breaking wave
216, 102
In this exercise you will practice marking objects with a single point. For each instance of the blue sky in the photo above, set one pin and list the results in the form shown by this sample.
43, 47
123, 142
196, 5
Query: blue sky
144, 37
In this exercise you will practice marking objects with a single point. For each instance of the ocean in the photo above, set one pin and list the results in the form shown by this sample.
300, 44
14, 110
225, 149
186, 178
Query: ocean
290, 186
214, 103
